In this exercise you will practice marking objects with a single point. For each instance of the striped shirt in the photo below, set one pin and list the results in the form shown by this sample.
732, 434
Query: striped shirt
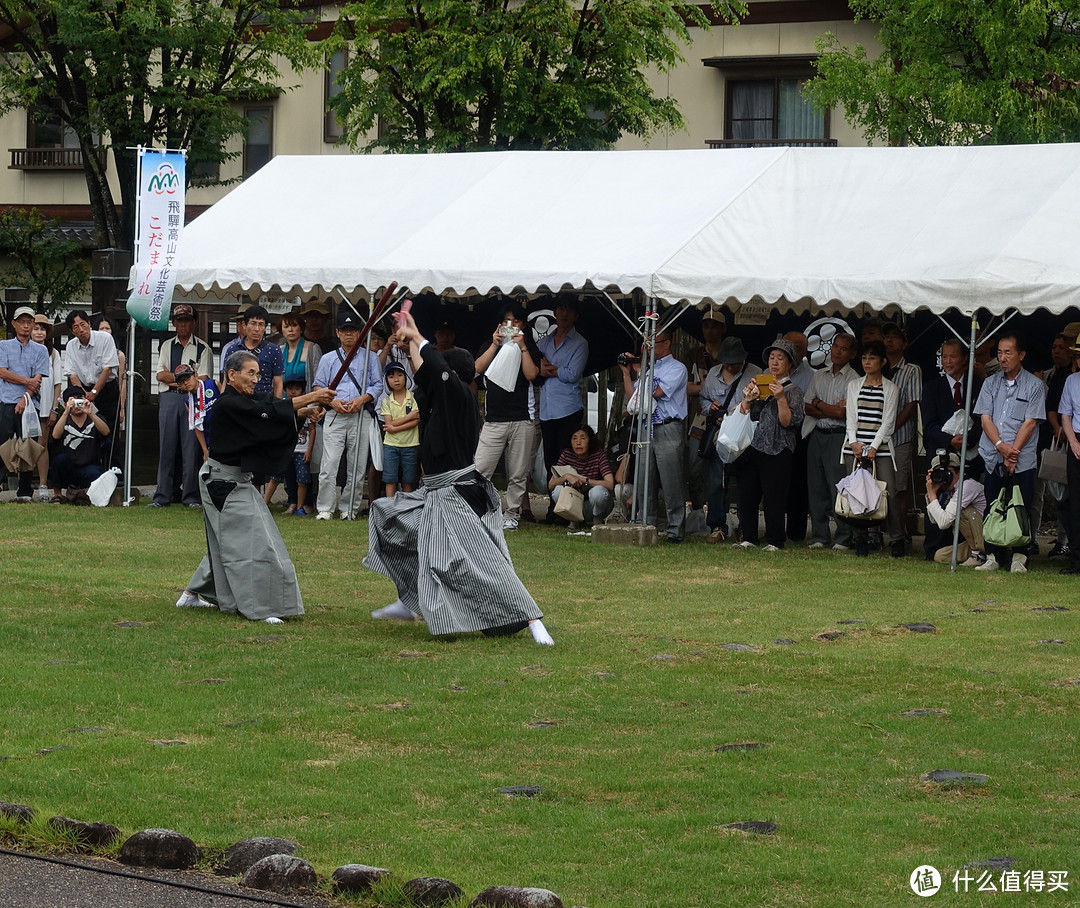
908, 379
871, 407
594, 465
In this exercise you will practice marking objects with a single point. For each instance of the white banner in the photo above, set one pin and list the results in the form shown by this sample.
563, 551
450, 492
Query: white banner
161, 223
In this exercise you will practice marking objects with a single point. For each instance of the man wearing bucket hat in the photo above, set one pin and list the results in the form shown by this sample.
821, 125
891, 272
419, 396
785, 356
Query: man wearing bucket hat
720, 395
23, 365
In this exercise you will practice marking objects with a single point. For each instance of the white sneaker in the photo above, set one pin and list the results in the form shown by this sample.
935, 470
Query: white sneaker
989, 565
839, 547
324, 515
771, 548
345, 516
509, 523
189, 599
816, 545
1019, 564
745, 544
44, 495
974, 560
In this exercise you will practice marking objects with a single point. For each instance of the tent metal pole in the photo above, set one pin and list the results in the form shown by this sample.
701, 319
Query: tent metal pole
130, 413
968, 402
615, 307
646, 406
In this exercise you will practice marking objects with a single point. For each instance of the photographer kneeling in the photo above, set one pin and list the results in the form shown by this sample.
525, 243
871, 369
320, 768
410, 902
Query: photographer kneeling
79, 429
941, 506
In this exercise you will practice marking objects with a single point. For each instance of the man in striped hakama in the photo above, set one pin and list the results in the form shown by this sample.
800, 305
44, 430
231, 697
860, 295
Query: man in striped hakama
443, 544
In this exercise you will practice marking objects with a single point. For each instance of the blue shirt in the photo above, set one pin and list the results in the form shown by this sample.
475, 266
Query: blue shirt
271, 362
560, 395
1008, 406
27, 360
669, 375
347, 389
1069, 404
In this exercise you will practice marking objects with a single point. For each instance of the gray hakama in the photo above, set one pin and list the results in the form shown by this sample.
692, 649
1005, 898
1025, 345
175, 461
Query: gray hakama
247, 568
443, 547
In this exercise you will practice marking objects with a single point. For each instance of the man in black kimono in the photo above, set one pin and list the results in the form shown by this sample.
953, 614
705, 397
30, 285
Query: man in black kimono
246, 568
443, 544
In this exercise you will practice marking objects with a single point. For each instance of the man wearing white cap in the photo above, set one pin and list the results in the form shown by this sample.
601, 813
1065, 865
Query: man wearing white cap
23, 365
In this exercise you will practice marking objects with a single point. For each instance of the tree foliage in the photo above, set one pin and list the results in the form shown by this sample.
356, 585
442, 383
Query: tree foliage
957, 72
454, 75
155, 73
48, 265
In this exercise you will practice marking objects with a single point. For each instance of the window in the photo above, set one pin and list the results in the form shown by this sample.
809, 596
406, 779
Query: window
763, 109
258, 144
48, 130
332, 130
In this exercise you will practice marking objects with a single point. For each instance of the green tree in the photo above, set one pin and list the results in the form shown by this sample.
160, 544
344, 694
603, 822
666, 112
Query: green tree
156, 73
957, 72
51, 267
455, 75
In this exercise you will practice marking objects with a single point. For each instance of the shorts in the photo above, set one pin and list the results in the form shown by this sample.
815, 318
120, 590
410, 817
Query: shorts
401, 465
297, 467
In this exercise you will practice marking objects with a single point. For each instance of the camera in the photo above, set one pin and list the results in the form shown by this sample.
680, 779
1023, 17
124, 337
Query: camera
79, 403
507, 329
628, 359
940, 474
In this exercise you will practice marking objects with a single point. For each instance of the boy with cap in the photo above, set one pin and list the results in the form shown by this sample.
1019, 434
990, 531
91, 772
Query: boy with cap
200, 397
401, 443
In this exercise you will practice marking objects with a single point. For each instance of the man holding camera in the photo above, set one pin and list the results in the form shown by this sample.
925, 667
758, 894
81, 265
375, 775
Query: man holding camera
941, 513
79, 430
667, 452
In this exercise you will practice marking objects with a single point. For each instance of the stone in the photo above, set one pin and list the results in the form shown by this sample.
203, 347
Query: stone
279, 873
87, 835
20, 813
1053, 642
919, 627
542, 723
830, 635
783, 641
755, 827
852, 621
606, 675
739, 647
663, 657
923, 713
748, 745
997, 865
357, 877
241, 855
51, 750
625, 534
431, 891
515, 897
522, 791
1049, 608
162, 848
951, 776
128, 624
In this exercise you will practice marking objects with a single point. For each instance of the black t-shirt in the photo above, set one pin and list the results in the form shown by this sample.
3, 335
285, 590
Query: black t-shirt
501, 405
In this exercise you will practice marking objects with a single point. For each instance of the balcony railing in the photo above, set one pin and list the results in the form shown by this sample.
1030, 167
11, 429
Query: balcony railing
771, 143
54, 159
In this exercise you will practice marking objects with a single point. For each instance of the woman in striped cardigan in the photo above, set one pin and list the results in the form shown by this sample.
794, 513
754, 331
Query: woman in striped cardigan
871, 417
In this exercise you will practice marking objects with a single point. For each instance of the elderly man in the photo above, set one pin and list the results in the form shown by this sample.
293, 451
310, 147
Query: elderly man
1011, 403
826, 402
176, 441
23, 366
247, 569
347, 429
943, 397
91, 363
667, 452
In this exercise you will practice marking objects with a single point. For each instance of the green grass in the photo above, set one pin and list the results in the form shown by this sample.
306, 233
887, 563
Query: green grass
371, 742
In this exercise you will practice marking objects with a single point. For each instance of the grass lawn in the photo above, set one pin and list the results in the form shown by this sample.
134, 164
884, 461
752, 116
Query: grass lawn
371, 742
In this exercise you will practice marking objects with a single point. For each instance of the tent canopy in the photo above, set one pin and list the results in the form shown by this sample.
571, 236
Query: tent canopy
820, 229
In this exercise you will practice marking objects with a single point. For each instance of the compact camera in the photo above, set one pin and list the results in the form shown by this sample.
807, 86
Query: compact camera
79, 403
940, 474
507, 329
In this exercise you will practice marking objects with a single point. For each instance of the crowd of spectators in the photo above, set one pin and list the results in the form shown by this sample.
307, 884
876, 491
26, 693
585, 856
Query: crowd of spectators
865, 404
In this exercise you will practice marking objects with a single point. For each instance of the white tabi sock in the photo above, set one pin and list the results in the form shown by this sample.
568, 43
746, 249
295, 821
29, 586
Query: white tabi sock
539, 632
189, 599
272, 620
395, 611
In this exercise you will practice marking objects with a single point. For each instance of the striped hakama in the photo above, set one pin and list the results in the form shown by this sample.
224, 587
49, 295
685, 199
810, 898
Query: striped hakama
443, 547
247, 568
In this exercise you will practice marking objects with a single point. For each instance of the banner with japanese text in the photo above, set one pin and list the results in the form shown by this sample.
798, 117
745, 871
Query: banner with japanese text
161, 222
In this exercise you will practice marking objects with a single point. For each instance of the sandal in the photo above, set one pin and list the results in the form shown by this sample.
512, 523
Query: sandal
299, 512
291, 509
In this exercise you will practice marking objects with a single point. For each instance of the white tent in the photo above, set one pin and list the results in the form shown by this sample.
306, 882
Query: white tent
830, 229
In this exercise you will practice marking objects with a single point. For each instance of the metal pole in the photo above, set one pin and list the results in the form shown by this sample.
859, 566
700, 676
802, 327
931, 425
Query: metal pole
130, 413
646, 406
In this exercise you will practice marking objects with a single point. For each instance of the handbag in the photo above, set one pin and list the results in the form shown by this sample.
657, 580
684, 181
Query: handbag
1007, 523
854, 497
736, 433
570, 504
1052, 465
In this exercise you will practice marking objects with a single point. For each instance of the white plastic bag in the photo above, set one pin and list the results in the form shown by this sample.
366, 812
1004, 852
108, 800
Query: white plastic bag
102, 488
31, 424
505, 368
957, 424
736, 433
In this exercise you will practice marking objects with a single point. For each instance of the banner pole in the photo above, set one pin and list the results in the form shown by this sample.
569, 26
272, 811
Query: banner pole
128, 452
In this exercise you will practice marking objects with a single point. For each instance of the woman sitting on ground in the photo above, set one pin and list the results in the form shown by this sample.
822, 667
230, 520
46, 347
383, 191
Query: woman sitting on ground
871, 417
590, 474
764, 469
